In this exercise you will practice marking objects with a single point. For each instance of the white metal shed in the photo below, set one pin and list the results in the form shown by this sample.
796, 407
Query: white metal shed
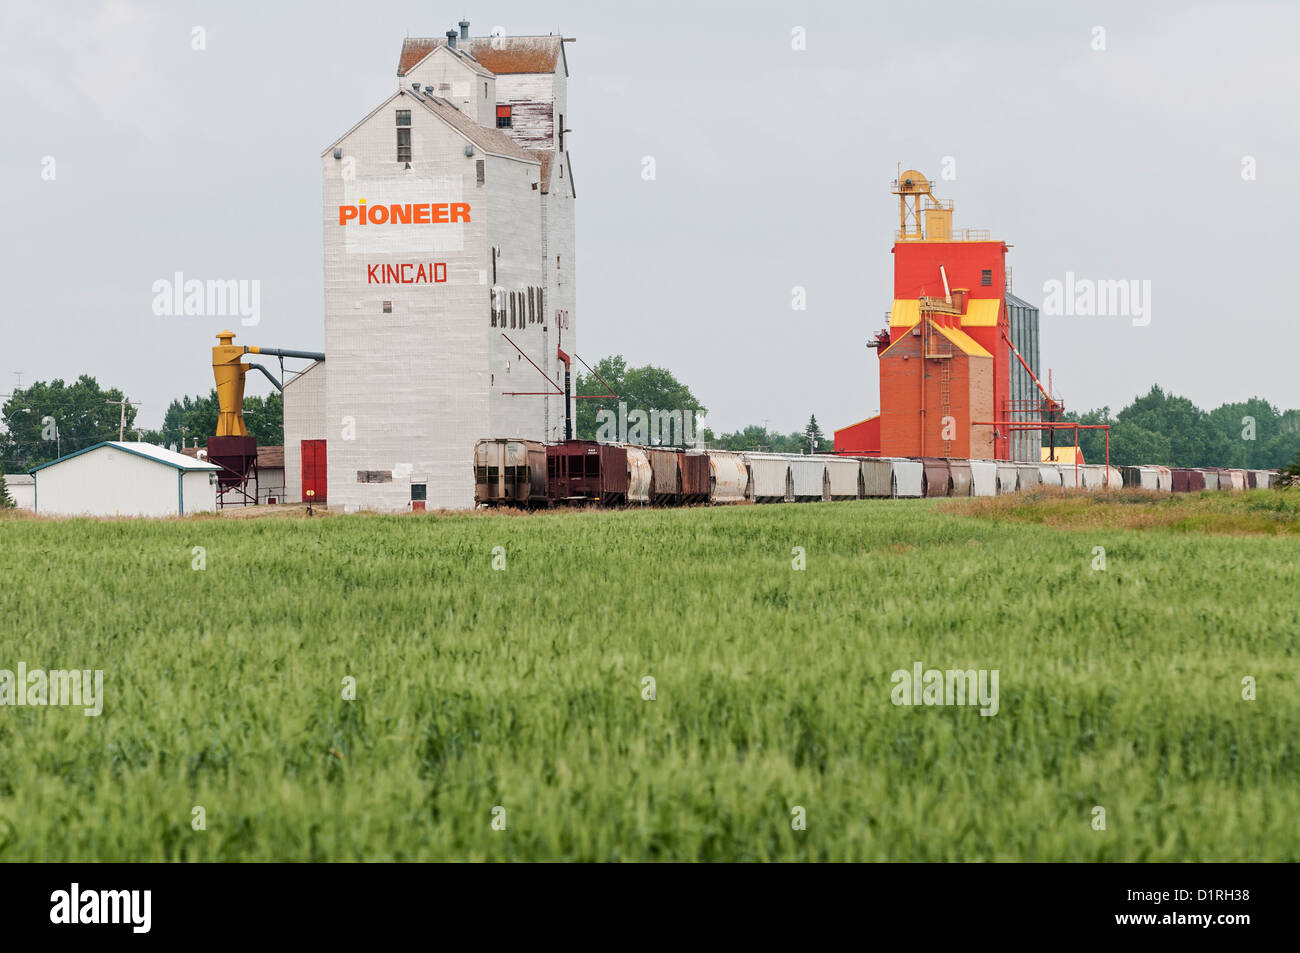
22, 490
125, 479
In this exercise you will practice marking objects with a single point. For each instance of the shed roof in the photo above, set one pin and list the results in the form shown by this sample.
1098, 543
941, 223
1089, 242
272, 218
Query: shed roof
177, 461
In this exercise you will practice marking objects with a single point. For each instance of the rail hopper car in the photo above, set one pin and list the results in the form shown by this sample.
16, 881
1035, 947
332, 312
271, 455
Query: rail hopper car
527, 473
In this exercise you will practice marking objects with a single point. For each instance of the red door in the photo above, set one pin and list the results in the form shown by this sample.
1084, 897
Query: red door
313, 471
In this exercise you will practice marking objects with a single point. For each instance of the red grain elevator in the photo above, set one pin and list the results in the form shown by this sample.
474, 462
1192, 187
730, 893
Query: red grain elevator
946, 368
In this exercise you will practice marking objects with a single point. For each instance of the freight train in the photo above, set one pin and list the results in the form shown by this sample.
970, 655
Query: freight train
530, 474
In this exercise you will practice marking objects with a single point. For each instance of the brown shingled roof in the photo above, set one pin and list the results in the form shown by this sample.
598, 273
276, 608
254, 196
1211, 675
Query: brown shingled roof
270, 458
517, 54
414, 49
501, 54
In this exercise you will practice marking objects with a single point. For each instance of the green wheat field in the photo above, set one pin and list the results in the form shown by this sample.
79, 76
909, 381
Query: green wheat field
515, 698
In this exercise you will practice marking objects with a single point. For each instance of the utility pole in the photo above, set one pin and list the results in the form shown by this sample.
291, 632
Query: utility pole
121, 427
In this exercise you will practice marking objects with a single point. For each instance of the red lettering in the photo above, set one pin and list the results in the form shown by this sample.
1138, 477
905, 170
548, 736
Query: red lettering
440, 271
378, 214
421, 215
371, 277
399, 213
440, 213
460, 211
405, 265
347, 212
390, 274
420, 276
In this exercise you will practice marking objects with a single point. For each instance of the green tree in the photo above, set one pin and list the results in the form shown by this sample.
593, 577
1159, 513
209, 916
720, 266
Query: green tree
1193, 440
1131, 444
640, 388
1166, 429
814, 439
755, 437
1255, 435
6, 502
1289, 475
1091, 442
194, 418
45, 419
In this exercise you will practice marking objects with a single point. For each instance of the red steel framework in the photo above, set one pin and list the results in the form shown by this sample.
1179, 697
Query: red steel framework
1055, 425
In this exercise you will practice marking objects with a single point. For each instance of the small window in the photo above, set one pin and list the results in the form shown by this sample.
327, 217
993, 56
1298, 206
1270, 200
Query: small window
485, 90
419, 491
403, 145
503, 117
480, 171
986, 277
512, 309
388, 307
403, 117
557, 262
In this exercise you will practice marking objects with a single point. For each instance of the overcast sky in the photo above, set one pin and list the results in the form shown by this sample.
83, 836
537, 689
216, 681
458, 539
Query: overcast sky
772, 168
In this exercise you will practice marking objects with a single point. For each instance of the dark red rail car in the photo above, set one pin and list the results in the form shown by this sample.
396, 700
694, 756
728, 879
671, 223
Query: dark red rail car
613, 475
1187, 480
936, 480
666, 482
583, 470
693, 473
